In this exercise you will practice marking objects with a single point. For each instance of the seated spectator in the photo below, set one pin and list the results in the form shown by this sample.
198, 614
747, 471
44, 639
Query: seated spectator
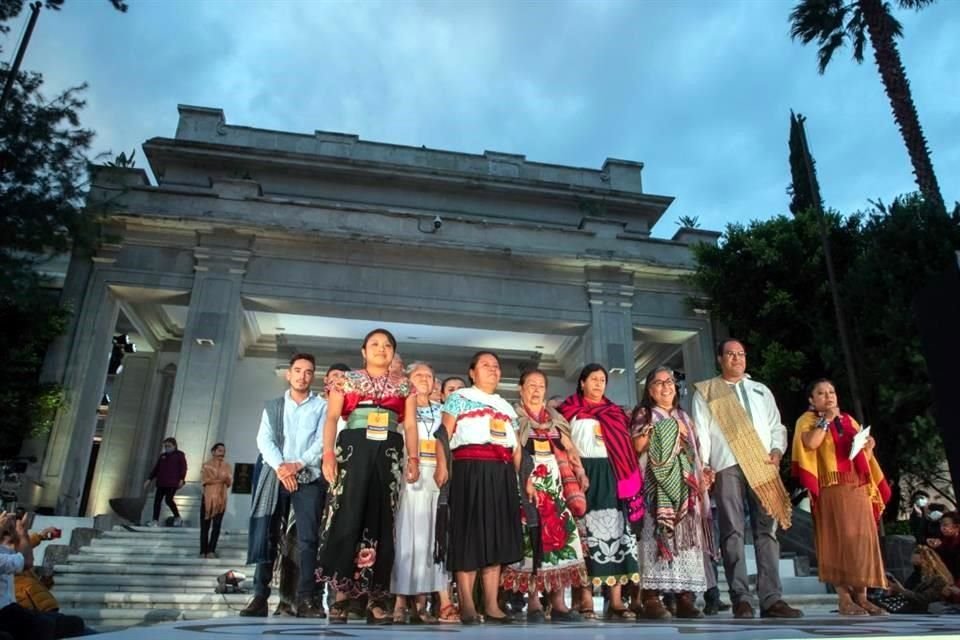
927, 585
16, 556
919, 524
947, 544
32, 591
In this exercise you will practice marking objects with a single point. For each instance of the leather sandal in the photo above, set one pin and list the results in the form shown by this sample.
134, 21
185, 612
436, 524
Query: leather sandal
338, 612
852, 609
422, 616
449, 614
383, 619
872, 609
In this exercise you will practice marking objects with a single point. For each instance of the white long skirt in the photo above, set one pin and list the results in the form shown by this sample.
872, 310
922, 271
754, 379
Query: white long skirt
414, 571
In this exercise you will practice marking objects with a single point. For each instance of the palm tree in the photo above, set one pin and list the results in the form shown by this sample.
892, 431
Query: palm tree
831, 23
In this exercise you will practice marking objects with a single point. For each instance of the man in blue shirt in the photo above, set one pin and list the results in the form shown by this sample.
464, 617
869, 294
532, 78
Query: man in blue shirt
290, 440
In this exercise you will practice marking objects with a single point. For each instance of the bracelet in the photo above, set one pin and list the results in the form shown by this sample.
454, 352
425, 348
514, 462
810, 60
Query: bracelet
329, 453
411, 458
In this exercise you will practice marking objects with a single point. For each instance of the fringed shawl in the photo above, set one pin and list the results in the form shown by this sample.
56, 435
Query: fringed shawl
614, 425
674, 481
751, 454
830, 464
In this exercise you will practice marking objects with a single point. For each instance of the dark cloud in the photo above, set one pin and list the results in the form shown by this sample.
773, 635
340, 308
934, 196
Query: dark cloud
700, 91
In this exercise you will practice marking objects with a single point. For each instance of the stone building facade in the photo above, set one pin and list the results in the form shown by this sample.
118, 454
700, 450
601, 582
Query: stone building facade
255, 244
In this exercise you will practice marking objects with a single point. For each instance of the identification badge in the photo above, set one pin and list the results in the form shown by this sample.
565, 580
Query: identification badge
378, 419
498, 430
377, 434
428, 451
598, 434
378, 423
541, 449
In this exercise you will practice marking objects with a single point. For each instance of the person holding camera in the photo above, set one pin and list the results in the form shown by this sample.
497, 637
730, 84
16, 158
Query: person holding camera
16, 556
32, 591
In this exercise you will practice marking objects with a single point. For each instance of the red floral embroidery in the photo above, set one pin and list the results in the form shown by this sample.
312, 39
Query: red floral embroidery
366, 557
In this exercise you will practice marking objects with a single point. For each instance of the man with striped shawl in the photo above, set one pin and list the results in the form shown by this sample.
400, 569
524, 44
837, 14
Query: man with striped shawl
742, 441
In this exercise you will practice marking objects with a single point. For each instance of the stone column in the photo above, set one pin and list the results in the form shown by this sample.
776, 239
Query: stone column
208, 354
610, 339
699, 356
68, 448
129, 414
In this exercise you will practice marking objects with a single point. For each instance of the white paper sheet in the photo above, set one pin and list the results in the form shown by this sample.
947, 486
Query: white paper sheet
859, 441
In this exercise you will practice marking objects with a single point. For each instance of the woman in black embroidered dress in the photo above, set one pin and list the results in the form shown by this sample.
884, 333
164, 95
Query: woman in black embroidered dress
364, 471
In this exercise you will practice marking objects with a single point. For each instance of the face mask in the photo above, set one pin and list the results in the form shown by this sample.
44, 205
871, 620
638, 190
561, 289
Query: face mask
936, 515
921, 502
168, 449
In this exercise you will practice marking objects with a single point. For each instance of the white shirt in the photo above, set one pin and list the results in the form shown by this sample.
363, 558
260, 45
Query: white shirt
302, 433
11, 563
584, 434
766, 421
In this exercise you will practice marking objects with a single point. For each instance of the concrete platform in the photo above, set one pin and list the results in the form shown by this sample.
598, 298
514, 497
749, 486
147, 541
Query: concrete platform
820, 624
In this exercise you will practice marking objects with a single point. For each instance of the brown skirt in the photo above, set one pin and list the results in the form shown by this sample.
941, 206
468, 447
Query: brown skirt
848, 547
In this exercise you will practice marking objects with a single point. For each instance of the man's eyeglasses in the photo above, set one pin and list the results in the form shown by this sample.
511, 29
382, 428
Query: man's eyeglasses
736, 354
663, 383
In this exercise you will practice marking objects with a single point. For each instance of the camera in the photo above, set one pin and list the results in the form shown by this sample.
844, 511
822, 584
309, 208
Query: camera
437, 222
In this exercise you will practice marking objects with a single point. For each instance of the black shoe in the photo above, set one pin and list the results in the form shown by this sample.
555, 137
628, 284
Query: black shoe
536, 616
565, 616
495, 620
256, 608
711, 608
284, 609
309, 609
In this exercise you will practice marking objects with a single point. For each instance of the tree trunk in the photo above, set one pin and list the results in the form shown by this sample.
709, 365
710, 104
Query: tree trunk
897, 86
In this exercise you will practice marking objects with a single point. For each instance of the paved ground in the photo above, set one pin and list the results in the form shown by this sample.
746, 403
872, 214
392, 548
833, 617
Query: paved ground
821, 625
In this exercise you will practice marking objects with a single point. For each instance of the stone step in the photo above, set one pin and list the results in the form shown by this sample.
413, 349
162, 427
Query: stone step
144, 540
160, 560
184, 544
143, 569
127, 600
124, 618
176, 533
159, 555
138, 582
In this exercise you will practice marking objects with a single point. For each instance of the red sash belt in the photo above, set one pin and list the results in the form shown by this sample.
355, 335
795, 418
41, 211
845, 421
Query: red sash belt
488, 452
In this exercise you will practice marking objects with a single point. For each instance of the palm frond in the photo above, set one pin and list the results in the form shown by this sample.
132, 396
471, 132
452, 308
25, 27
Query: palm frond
816, 19
858, 30
891, 23
916, 5
827, 23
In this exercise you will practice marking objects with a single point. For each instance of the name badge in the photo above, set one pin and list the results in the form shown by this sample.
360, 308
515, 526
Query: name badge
378, 419
428, 451
498, 431
598, 434
541, 449
378, 423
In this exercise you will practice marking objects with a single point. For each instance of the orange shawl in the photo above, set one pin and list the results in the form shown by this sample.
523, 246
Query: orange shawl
830, 463
216, 476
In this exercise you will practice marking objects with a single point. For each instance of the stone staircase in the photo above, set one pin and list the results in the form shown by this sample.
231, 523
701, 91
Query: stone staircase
131, 576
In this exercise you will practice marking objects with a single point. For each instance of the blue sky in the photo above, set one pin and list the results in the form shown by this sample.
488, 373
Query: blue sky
700, 91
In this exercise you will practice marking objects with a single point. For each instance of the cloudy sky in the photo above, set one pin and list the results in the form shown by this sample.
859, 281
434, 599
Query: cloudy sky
700, 91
